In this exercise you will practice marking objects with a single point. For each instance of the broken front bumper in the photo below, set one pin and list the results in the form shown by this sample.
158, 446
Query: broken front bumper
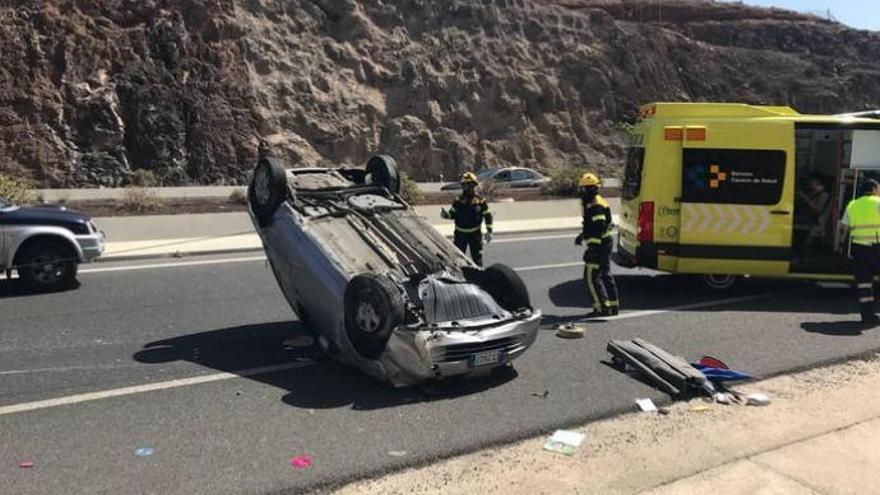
412, 357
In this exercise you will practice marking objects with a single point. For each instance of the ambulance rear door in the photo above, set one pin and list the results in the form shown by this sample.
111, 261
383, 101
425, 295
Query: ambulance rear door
736, 197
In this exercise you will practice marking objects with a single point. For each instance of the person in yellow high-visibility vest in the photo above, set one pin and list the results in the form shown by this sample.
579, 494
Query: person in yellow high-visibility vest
597, 230
862, 222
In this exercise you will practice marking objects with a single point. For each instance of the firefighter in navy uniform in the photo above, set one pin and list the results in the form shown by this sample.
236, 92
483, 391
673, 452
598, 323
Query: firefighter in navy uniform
862, 221
469, 212
597, 232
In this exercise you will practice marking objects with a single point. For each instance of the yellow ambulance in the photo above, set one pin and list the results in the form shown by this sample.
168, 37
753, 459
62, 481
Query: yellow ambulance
725, 190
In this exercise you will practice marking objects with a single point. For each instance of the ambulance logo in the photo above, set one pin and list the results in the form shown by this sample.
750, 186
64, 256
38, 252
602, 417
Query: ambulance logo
702, 176
716, 176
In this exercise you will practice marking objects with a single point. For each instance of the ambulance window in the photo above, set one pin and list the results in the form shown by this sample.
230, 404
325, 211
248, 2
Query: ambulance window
751, 177
632, 176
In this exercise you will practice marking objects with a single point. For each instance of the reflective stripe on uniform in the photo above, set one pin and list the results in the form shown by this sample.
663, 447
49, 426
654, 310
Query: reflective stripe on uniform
866, 240
866, 299
598, 217
588, 278
866, 285
593, 240
467, 231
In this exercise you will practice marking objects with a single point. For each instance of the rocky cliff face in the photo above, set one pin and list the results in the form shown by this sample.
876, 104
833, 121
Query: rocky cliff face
92, 90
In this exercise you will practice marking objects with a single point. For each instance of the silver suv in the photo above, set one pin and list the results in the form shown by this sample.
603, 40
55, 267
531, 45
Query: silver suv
46, 244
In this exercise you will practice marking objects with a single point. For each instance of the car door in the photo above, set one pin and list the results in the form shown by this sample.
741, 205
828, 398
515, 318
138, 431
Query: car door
521, 178
502, 178
737, 199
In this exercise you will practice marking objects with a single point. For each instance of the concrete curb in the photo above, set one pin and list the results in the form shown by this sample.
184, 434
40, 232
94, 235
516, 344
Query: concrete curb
233, 250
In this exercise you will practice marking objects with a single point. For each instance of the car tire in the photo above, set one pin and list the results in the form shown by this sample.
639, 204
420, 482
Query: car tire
374, 307
506, 287
268, 189
382, 170
47, 266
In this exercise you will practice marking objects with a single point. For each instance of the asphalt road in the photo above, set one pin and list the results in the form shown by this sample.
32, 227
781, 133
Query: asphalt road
190, 329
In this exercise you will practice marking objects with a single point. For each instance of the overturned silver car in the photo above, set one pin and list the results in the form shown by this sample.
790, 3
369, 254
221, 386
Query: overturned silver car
379, 287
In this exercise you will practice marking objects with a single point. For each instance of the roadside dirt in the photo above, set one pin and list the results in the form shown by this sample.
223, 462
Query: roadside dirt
642, 452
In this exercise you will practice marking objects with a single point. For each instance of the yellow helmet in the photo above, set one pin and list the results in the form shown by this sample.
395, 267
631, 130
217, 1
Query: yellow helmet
468, 177
588, 180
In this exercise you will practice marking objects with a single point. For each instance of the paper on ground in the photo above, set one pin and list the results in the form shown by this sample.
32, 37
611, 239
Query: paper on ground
564, 442
646, 405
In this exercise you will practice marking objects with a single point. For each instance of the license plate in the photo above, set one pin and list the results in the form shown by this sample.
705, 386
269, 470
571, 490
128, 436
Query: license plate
485, 358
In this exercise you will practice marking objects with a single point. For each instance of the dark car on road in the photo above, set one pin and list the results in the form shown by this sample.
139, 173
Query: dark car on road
505, 178
378, 286
46, 244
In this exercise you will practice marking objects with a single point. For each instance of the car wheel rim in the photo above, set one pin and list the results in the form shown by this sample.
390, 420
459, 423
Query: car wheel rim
367, 319
261, 186
47, 268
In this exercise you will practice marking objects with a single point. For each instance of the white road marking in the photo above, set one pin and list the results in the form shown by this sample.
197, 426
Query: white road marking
171, 265
183, 382
683, 307
150, 387
60, 369
504, 240
549, 267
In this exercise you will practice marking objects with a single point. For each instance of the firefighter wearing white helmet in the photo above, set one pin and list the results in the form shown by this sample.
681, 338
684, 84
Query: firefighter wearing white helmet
470, 211
597, 231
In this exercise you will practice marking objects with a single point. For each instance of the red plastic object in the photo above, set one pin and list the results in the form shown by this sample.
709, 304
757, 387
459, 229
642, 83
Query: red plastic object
26, 464
713, 362
646, 221
301, 461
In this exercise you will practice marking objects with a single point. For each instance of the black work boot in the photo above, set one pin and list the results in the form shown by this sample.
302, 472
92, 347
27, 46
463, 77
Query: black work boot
614, 310
598, 313
868, 315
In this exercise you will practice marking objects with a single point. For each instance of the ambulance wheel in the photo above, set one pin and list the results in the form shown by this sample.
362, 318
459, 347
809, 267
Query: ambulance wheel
719, 282
268, 189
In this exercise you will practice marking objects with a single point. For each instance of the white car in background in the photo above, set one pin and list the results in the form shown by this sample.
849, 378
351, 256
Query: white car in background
505, 178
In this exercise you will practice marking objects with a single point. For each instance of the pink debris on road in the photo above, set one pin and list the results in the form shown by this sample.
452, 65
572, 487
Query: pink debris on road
301, 461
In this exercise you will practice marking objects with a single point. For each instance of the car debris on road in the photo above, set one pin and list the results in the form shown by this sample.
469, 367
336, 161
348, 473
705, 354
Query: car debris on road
670, 373
570, 330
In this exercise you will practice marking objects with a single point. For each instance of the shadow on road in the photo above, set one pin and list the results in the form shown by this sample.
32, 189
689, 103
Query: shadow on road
851, 328
647, 292
16, 288
320, 383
